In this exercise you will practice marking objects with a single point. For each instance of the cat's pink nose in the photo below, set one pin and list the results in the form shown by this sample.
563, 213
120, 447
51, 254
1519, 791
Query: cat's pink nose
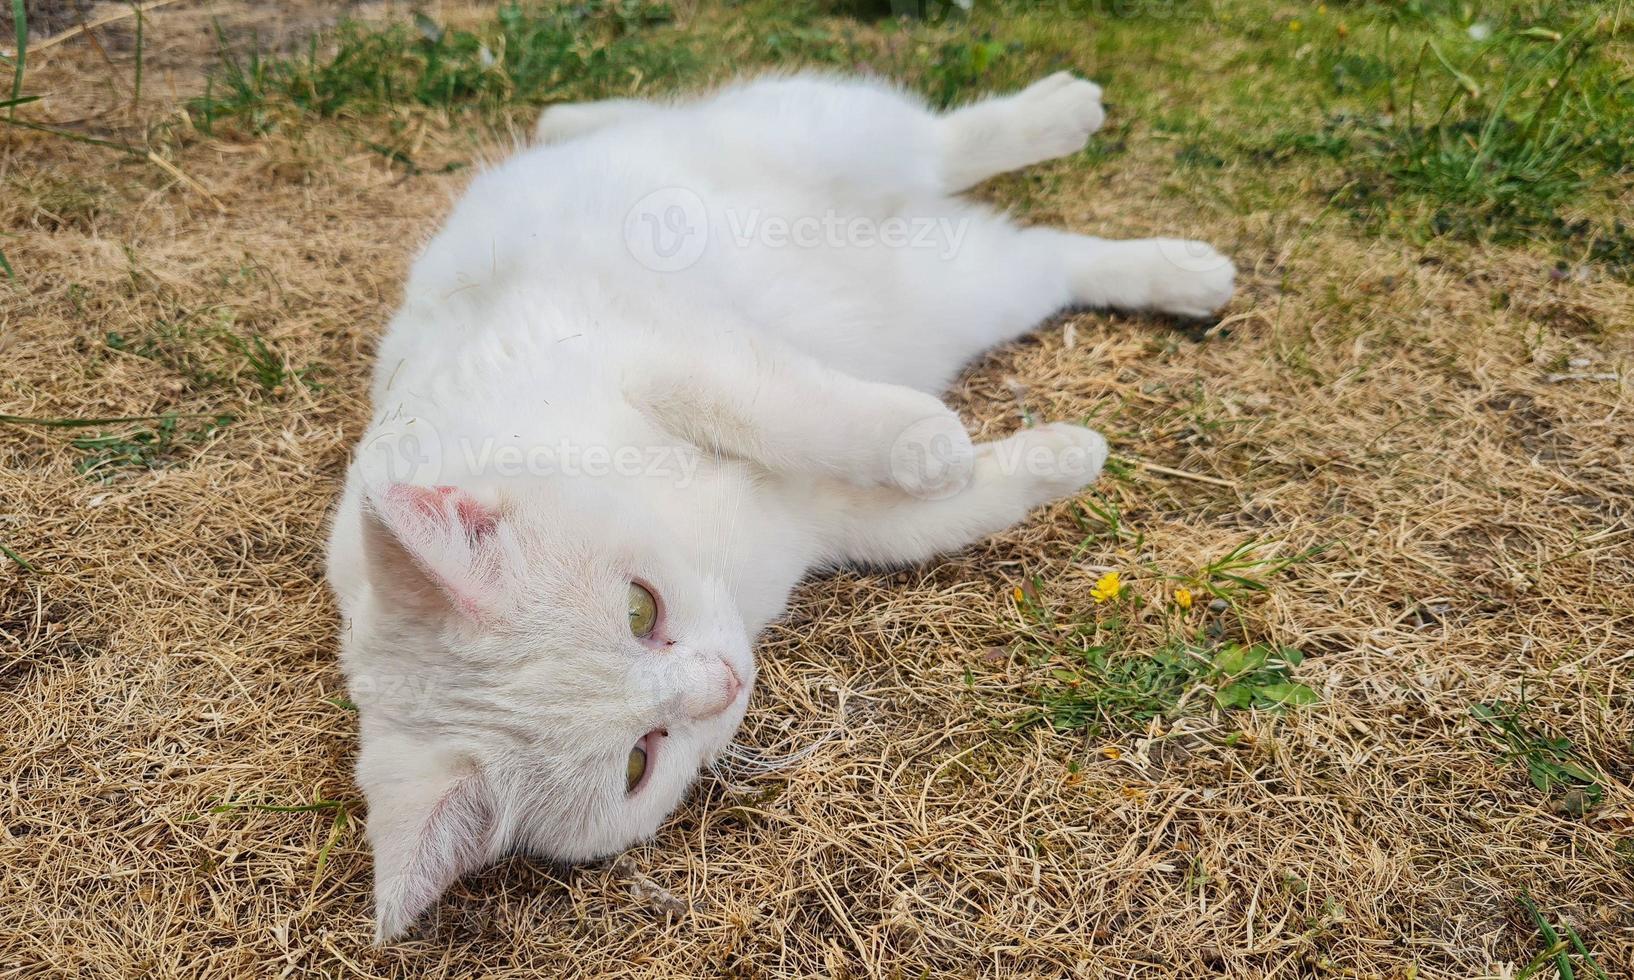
730, 691
733, 685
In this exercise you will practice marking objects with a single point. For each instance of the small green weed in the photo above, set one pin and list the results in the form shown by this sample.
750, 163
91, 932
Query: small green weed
1557, 952
1257, 676
19, 560
1551, 761
1245, 569
215, 356
147, 447
1105, 689
961, 67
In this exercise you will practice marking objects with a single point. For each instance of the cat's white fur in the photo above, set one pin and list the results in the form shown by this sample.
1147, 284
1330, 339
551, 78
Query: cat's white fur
776, 404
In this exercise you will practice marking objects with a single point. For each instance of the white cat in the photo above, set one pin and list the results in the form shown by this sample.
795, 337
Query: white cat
651, 374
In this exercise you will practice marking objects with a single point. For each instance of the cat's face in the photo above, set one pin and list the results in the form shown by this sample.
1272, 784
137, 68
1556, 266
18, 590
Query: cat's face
541, 672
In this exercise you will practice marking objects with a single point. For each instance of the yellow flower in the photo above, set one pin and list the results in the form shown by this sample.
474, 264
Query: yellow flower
1294, 25
1110, 586
1020, 595
1112, 752
1182, 598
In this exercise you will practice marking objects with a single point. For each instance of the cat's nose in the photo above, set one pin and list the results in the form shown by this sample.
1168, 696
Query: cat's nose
725, 687
733, 685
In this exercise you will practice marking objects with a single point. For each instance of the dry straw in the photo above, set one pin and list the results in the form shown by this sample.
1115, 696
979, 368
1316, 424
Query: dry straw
173, 646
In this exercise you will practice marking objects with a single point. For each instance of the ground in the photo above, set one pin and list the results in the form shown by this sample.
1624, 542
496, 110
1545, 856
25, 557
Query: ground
1359, 702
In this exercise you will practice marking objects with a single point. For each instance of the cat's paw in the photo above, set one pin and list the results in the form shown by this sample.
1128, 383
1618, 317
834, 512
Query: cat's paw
1051, 461
931, 455
1190, 278
1055, 116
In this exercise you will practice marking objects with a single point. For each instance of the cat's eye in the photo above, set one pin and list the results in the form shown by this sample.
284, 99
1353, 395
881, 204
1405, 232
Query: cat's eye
643, 611
634, 768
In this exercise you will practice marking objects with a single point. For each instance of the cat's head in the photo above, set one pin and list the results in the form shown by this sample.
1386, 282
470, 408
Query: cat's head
536, 671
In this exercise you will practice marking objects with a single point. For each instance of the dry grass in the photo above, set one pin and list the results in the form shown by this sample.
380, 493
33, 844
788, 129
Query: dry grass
173, 645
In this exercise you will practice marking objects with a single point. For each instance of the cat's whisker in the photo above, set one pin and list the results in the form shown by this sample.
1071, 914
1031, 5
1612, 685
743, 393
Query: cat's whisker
738, 761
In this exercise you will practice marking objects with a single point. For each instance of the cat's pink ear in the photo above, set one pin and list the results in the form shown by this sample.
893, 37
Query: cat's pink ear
432, 818
432, 549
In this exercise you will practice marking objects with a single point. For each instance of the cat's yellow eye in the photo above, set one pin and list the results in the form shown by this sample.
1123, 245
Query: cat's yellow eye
634, 768
643, 611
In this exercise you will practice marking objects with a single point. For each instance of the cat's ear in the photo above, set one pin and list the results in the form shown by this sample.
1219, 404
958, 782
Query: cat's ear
433, 549
432, 818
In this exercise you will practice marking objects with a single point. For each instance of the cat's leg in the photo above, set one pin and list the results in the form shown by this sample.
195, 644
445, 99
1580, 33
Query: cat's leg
878, 526
560, 122
761, 401
1167, 275
877, 141
1052, 117
981, 281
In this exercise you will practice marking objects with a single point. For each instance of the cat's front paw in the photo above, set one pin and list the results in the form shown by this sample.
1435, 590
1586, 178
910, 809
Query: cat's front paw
1190, 278
1049, 461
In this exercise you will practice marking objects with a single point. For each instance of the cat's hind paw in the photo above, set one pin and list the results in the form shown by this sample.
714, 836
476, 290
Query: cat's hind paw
1192, 279
1048, 462
1056, 115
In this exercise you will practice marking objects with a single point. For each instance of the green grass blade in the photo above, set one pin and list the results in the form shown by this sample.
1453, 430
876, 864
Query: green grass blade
22, 562
1557, 946
19, 17
1582, 950
6, 268
87, 423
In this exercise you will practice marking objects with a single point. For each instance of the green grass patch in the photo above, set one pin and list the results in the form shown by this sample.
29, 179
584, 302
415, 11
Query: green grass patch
1148, 645
528, 55
1552, 763
105, 455
340, 819
1103, 689
215, 356
1503, 129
